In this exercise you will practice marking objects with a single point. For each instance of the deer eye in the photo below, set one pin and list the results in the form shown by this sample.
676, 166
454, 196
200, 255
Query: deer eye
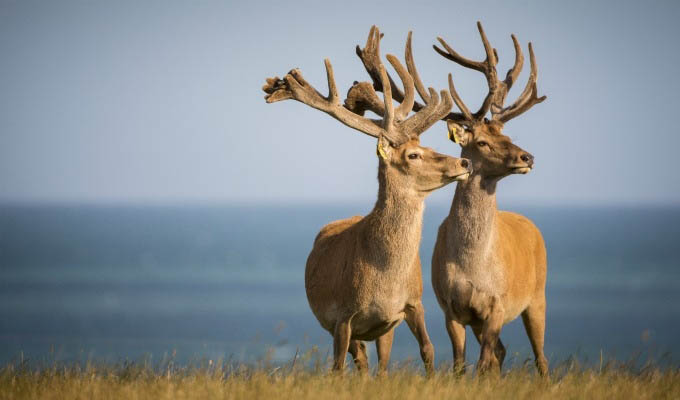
482, 143
413, 156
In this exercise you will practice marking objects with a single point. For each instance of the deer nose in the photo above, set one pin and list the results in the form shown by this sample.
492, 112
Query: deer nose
465, 164
527, 158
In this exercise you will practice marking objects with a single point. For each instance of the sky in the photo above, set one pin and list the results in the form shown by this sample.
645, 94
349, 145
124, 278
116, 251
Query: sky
161, 101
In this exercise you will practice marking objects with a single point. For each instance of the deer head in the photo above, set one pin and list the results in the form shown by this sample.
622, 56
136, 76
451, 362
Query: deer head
492, 153
417, 168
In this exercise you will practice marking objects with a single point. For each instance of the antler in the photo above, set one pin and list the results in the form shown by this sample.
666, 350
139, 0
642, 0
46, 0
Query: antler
498, 90
394, 126
362, 96
294, 86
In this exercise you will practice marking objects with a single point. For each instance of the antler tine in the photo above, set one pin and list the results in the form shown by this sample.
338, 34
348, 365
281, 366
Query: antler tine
411, 66
491, 60
441, 110
514, 72
388, 118
490, 74
417, 120
409, 96
529, 96
434, 111
370, 56
332, 88
362, 95
452, 55
456, 98
487, 66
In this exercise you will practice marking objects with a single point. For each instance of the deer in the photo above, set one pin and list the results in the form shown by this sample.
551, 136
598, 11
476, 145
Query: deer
489, 266
363, 275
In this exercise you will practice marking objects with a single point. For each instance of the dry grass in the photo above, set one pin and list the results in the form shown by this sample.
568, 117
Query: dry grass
220, 381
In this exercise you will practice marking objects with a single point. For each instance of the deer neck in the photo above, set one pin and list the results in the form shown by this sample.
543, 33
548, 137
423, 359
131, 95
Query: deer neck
472, 220
394, 226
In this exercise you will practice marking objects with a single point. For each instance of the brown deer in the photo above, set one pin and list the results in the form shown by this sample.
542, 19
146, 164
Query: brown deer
489, 266
363, 274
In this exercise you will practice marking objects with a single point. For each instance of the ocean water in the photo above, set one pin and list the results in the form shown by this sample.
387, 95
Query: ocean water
127, 282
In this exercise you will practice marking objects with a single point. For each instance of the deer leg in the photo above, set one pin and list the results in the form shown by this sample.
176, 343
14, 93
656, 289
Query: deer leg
415, 318
384, 346
534, 323
488, 336
341, 339
477, 329
456, 332
499, 351
357, 349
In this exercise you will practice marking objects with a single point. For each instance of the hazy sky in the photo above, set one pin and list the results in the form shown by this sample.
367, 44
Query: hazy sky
161, 101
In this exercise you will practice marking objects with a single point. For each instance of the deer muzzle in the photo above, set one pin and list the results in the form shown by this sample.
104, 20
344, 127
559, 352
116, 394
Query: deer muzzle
460, 169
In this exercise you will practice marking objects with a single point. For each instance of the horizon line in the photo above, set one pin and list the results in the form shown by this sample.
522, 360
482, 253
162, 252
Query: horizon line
179, 203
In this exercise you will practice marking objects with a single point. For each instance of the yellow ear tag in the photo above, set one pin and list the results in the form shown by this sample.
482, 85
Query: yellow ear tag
381, 152
452, 135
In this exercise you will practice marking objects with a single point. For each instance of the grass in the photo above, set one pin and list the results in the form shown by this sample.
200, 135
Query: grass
311, 380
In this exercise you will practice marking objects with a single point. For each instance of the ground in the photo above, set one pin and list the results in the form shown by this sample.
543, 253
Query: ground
218, 380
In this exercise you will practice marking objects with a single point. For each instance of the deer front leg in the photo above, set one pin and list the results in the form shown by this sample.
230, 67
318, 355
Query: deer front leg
415, 318
384, 346
357, 349
488, 336
456, 332
499, 351
341, 339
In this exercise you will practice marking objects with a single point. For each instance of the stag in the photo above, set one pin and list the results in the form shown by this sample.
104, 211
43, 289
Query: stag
363, 275
489, 266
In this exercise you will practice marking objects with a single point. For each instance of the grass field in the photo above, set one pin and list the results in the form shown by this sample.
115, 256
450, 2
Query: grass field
210, 380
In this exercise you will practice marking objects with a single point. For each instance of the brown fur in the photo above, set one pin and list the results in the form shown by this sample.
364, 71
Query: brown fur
363, 275
489, 266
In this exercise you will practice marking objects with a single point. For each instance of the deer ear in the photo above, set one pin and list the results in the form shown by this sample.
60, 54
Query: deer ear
384, 150
457, 133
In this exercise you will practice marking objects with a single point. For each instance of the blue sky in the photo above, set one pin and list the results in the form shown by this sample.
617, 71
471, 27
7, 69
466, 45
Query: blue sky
161, 102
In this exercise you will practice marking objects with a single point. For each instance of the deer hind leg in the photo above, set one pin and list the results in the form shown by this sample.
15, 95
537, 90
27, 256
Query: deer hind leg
384, 347
357, 349
415, 318
534, 323
492, 351
456, 332
341, 340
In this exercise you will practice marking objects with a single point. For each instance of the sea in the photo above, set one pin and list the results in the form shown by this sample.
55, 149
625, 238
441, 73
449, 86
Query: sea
122, 283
